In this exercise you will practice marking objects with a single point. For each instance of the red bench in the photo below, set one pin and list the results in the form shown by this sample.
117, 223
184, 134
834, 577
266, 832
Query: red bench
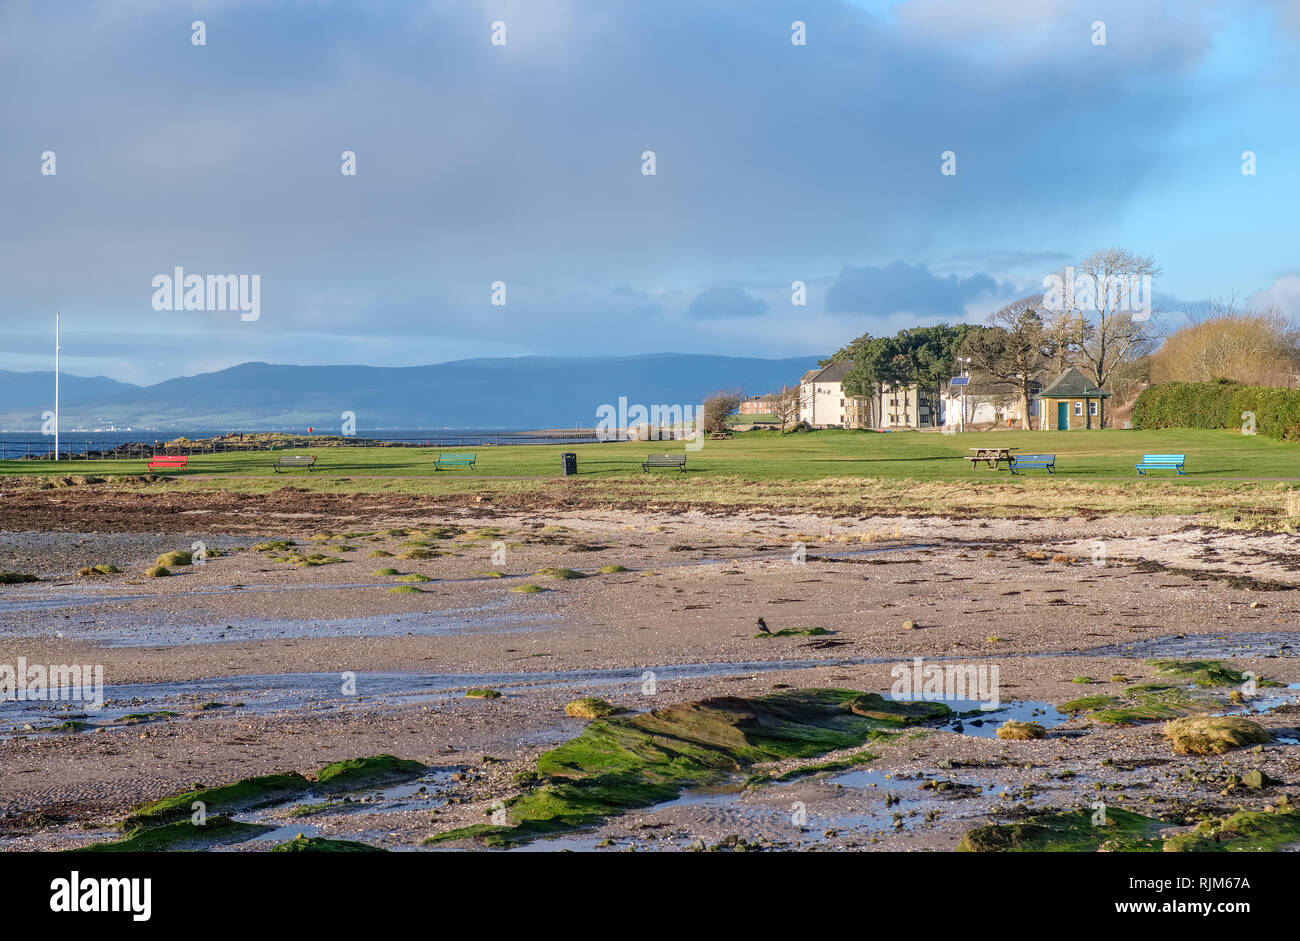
168, 462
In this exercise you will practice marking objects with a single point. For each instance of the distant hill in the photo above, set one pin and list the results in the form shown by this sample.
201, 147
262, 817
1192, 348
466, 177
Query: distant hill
26, 392
521, 392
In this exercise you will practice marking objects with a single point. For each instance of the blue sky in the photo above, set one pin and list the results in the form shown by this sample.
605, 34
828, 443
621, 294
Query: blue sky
522, 164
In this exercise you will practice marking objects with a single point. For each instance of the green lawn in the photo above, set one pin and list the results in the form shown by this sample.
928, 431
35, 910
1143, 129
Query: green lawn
766, 456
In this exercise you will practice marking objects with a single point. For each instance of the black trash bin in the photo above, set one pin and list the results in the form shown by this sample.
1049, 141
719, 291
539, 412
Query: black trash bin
570, 461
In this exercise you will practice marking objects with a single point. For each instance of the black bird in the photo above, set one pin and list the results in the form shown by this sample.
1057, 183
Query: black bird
762, 626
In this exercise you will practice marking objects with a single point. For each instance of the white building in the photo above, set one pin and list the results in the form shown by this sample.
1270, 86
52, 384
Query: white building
823, 404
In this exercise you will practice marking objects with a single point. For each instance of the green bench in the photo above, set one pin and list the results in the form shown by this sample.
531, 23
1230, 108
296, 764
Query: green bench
293, 461
1024, 461
1161, 462
454, 460
664, 460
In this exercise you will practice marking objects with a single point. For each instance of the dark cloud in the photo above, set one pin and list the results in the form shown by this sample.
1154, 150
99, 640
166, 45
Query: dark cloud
901, 287
720, 302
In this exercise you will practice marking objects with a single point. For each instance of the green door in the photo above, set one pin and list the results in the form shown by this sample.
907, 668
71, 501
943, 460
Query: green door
1062, 416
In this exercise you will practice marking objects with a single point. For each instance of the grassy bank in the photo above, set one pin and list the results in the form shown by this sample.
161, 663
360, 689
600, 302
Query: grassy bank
1231, 478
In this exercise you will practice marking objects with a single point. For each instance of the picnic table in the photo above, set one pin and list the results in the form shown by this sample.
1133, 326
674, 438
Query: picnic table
991, 456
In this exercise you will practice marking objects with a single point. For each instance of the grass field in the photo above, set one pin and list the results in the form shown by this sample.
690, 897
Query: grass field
767, 456
1232, 480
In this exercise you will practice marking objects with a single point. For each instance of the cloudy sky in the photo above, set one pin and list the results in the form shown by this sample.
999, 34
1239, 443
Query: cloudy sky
522, 163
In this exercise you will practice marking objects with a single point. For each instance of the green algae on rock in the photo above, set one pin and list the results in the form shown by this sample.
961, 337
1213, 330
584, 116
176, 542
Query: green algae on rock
320, 844
624, 762
1011, 730
180, 835
483, 693
797, 632
1245, 831
1072, 832
591, 707
355, 774
247, 794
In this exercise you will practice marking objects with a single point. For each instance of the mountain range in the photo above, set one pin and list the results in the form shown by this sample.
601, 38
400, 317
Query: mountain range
518, 393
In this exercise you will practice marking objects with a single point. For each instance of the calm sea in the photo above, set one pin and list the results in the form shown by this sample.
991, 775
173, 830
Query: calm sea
19, 444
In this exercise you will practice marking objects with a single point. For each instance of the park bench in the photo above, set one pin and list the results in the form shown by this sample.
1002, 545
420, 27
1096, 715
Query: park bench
176, 462
664, 460
1024, 461
1161, 462
454, 460
291, 461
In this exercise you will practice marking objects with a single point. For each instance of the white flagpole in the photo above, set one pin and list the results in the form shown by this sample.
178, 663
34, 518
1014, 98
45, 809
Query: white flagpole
56, 386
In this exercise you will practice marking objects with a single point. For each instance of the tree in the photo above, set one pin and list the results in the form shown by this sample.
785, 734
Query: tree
787, 404
1013, 349
1258, 348
718, 408
1108, 303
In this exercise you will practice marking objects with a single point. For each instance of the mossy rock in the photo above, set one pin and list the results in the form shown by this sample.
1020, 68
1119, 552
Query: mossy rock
102, 569
175, 559
412, 554
71, 725
482, 694
1124, 832
1089, 704
1014, 731
379, 554
1245, 831
181, 835
320, 844
591, 707
158, 571
1205, 673
528, 589
275, 545
560, 574
796, 632
135, 718
357, 774
405, 590
613, 569
384, 573
415, 577
1213, 735
489, 574
625, 762
248, 794
16, 578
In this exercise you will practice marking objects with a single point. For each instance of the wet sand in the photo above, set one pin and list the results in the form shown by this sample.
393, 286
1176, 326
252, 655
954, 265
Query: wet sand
1044, 601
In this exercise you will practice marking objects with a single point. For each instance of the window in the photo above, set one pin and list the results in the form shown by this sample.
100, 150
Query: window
1078, 408
1092, 407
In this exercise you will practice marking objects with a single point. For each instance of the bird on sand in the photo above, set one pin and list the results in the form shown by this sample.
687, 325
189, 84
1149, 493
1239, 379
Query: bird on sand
762, 626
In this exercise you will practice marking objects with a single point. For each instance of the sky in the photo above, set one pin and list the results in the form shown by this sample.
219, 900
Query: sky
482, 164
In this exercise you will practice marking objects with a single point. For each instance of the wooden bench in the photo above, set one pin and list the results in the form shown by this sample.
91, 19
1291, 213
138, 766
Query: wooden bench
291, 461
664, 460
1025, 461
1161, 462
454, 460
175, 462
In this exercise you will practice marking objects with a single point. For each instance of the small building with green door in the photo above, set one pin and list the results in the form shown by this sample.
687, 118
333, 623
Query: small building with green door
1071, 403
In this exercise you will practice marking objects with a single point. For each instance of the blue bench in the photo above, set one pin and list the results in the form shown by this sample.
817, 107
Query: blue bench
1160, 462
454, 460
1024, 461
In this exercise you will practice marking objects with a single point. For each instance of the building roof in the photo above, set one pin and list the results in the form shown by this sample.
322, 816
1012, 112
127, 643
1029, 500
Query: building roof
835, 372
1073, 384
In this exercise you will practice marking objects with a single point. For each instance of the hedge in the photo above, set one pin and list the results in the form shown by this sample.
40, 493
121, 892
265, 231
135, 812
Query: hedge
1219, 404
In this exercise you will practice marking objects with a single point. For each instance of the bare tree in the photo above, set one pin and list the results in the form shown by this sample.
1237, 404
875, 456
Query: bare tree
1110, 305
1014, 350
787, 404
718, 408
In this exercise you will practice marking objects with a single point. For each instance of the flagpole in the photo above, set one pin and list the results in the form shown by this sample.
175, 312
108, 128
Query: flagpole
56, 386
